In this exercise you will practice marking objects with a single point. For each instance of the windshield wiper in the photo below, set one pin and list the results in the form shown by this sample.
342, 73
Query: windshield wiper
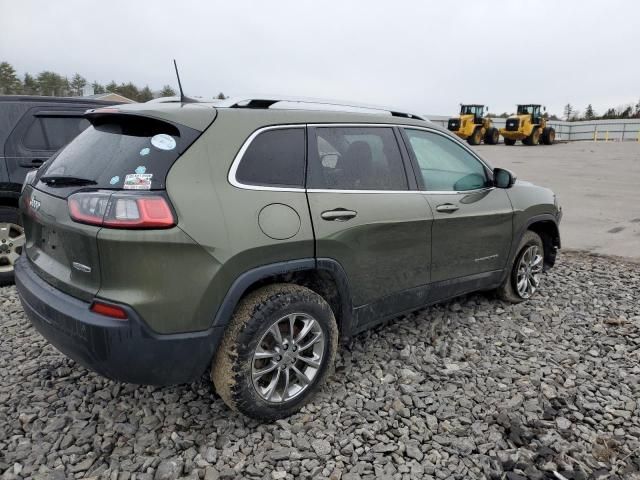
63, 180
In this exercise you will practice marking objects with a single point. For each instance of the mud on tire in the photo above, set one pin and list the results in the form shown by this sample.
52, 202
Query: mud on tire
236, 363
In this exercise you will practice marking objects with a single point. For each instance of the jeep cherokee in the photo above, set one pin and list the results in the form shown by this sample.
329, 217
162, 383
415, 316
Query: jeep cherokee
170, 238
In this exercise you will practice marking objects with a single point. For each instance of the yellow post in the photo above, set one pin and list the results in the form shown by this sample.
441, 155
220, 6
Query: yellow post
595, 135
638, 136
606, 136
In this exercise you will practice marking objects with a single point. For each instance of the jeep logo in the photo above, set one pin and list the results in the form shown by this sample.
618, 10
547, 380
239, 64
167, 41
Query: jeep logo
34, 204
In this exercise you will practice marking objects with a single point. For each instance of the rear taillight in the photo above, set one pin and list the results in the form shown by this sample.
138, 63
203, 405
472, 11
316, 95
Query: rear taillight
121, 210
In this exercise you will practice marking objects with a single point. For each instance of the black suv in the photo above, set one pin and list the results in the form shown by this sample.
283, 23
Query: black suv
32, 128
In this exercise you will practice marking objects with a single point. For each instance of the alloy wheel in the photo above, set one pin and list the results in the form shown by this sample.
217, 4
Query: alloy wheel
529, 271
12, 239
288, 357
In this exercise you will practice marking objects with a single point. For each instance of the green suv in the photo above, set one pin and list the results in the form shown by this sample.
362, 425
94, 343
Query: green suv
248, 237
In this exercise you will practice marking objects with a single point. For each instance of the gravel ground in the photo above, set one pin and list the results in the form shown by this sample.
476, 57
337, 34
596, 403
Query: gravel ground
474, 388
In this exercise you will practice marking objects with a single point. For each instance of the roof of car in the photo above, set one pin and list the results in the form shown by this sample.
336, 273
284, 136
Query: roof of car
200, 114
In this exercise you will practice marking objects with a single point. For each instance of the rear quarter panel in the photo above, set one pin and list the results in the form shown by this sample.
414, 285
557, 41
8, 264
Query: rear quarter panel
223, 219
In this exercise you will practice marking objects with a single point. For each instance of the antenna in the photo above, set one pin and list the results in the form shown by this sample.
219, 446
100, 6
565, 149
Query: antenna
183, 99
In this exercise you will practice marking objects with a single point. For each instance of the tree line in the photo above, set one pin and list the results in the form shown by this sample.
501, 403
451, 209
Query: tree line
53, 84
629, 110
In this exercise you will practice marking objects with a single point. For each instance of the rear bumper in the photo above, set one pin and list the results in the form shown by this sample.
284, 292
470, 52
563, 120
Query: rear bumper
123, 350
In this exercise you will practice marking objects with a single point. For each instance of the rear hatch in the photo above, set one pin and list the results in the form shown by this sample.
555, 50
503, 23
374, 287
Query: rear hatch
98, 181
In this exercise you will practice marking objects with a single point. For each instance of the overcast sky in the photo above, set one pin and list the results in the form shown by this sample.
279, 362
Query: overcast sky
423, 56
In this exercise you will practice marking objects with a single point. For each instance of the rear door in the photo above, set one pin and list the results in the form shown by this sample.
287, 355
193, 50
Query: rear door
365, 216
41, 132
472, 229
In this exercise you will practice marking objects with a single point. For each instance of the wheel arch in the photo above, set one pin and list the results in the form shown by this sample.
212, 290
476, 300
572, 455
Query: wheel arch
324, 276
549, 232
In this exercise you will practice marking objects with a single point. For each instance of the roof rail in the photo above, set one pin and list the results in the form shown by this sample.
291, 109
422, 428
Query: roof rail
268, 101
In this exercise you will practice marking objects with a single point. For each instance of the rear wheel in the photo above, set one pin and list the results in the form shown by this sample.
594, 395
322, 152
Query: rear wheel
508, 141
548, 136
526, 272
534, 138
492, 136
12, 241
277, 351
476, 137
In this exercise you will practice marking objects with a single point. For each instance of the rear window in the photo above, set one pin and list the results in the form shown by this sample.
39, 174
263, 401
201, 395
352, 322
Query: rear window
123, 152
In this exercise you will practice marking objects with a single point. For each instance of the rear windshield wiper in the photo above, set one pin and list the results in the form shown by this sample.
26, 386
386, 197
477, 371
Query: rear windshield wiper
63, 180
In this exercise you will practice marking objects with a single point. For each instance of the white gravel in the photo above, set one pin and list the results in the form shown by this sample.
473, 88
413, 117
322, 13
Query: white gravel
474, 388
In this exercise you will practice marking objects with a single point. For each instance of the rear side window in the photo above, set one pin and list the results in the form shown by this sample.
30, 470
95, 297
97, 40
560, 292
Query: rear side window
275, 158
123, 152
52, 133
357, 158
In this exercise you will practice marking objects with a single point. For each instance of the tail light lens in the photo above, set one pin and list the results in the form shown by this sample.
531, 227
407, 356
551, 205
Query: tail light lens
108, 310
121, 210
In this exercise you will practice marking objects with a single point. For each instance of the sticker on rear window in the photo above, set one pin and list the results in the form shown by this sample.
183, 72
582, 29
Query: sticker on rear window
141, 169
114, 180
138, 181
145, 151
163, 141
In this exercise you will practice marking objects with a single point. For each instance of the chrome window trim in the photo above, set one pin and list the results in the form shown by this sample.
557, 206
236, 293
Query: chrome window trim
231, 177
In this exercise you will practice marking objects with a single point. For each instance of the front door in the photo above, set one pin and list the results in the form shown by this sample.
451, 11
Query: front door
365, 217
472, 229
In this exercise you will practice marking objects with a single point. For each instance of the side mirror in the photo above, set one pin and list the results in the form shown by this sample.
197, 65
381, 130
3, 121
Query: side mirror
503, 178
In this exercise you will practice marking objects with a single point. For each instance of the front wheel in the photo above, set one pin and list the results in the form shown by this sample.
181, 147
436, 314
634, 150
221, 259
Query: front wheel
526, 272
492, 136
277, 351
476, 137
12, 241
508, 141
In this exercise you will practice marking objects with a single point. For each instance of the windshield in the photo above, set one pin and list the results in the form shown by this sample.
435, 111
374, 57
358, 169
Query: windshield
471, 110
122, 152
528, 109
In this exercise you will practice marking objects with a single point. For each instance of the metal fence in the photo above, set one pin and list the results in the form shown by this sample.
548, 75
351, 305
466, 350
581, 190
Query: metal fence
612, 130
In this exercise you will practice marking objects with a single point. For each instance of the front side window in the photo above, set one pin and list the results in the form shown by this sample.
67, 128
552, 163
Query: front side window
446, 166
275, 158
357, 158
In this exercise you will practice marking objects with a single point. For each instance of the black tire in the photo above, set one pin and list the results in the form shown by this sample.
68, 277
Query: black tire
476, 137
508, 291
10, 216
231, 371
534, 138
548, 136
508, 141
492, 137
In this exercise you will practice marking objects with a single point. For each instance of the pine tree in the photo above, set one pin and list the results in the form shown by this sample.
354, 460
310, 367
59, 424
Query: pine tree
589, 113
568, 112
10, 84
50, 83
145, 94
221, 96
167, 91
111, 87
77, 84
30, 85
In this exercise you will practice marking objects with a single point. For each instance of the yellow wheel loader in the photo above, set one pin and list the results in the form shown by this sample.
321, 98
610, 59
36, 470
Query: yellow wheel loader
529, 126
473, 126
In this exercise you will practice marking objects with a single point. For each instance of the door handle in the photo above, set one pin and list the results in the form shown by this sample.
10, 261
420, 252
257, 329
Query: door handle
35, 163
447, 208
338, 214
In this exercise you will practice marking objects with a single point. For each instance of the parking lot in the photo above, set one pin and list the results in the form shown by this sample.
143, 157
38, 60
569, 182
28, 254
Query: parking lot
474, 388
597, 184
